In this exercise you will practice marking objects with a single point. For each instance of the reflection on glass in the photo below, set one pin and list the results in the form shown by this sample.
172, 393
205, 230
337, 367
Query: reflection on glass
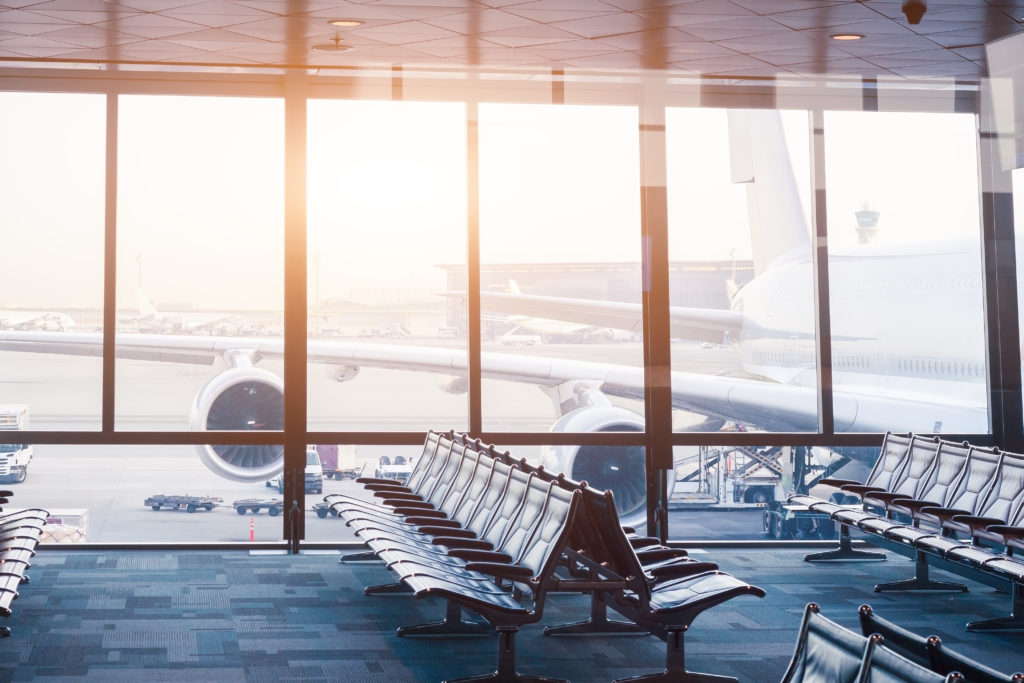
387, 228
52, 174
741, 287
905, 272
560, 266
200, 218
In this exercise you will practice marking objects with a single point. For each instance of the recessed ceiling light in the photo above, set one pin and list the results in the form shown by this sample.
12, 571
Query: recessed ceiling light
846, 36
346, 23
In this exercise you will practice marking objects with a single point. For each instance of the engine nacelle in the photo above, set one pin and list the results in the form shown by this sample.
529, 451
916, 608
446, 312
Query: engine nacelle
241, 399
620, 469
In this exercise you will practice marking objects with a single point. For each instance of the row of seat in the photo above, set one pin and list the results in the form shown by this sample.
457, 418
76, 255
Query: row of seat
494, 535
953, 504
20, 532
883, 652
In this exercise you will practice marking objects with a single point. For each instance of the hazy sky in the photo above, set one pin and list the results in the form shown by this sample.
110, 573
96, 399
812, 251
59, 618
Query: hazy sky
200, 199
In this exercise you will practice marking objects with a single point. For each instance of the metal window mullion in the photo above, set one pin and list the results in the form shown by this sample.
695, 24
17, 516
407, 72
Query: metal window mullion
109, 267
473, 325
295, 307
655, 304
819, 255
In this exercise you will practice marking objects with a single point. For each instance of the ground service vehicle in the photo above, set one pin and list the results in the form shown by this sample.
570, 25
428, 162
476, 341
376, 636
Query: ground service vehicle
314, 474
338, 462
14, 457
188, 503
254, 505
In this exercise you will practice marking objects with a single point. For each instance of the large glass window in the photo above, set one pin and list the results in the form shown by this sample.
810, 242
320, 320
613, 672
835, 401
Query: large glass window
52, 179
908, 323
742, 303
560, 255
387, 225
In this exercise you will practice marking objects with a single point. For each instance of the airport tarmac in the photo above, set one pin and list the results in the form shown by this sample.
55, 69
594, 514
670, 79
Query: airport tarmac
105, 487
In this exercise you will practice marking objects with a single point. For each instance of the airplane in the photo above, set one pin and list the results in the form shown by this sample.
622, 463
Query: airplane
885, 375
36, 320
150, 319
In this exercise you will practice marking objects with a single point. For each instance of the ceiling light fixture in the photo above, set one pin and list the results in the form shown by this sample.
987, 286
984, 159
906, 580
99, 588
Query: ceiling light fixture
846, 36
335, 46
345, 23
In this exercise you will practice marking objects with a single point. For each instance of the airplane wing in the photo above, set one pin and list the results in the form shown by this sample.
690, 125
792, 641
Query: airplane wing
757, 403
699, 324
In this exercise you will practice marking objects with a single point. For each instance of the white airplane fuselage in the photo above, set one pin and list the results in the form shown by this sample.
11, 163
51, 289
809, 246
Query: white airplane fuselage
907, 324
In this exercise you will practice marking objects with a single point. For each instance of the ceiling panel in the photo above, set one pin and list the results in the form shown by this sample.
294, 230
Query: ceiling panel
764, 37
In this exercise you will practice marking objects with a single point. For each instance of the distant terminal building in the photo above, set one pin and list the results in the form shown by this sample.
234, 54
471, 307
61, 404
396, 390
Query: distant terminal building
698, 284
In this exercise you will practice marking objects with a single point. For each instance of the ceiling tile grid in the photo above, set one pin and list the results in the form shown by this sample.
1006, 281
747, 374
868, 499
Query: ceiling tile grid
715, 37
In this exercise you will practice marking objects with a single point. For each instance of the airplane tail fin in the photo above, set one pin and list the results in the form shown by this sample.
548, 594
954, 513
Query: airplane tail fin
759, 158
146, 307
513, 287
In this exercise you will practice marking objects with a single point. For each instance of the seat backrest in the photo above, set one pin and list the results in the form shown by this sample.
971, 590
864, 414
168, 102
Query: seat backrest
979, 474
883, 665
508, 509
520, 530
910, 477
891, 458
908, 644
950, 465
825, 652
428, 459
946, 661
460, 485
550, 530
1005, 497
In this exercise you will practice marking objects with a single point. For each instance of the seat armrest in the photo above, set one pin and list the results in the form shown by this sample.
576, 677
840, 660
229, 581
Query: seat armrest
912, 504
498, 570
423, 522
1007, 531
454, 542
680, 569
833, 481
977, 522
643, 542
884, 496
860, 488
659, 554
397, 495
475, 555
418, 511
944, 514
445, 532
370, 483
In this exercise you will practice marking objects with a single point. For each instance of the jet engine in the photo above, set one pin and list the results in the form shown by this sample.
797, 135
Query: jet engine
620, 469
238, 399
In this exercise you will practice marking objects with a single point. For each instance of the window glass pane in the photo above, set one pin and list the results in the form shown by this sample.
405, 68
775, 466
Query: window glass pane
743, 341
560, 261
559, 249
387, 228
1018, 227
736, 492
52, 179
904, 272
341, 465
200, 272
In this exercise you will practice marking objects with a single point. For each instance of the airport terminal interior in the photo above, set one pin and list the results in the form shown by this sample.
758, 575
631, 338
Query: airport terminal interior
321, 320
